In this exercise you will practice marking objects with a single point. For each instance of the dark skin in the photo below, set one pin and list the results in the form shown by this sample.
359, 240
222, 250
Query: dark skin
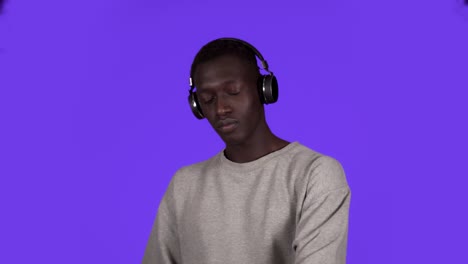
227, 92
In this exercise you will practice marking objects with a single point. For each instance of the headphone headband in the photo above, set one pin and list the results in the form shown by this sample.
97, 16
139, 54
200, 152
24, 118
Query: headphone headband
257, 53
248, 45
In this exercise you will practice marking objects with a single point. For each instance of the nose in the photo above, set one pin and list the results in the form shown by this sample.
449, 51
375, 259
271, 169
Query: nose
222, 106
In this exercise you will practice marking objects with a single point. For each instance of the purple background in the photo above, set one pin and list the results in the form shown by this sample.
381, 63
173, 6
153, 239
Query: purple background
94, 117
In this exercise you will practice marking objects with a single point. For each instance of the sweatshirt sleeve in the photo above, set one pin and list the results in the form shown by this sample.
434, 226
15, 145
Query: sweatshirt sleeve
163, 244
322, 228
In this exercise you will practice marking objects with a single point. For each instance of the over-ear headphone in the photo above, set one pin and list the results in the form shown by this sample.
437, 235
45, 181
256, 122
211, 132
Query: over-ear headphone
267, 84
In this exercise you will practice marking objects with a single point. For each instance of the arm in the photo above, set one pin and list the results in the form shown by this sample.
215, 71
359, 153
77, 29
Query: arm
163, 244
322, 228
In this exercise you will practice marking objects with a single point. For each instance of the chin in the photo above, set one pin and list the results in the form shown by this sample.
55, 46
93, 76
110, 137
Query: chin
232, 140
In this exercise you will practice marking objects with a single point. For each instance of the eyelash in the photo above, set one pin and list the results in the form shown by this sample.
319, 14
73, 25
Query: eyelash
206, 102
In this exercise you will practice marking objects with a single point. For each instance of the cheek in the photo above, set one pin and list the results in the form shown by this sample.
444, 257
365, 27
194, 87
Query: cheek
208, 111
252, 111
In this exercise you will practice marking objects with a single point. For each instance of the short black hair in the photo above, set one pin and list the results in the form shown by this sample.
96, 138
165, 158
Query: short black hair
221, 47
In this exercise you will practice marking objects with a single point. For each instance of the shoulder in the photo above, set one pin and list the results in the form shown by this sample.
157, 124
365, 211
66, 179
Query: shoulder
197, 168
323, 173
328, 172
185, 181
303, 154
186, 175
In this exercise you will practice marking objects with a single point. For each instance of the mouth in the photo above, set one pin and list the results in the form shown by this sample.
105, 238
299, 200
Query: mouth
226, 125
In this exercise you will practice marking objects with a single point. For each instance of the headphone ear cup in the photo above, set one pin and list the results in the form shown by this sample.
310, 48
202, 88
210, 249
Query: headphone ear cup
195, 106
269, 89
260, 89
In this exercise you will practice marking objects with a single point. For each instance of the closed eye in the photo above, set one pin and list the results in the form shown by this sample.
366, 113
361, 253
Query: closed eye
233, 91
207, 99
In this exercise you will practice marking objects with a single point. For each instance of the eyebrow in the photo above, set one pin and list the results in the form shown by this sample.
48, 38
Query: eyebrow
201, 89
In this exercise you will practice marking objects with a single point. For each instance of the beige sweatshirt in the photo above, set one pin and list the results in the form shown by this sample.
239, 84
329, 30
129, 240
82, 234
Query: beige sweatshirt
290, 206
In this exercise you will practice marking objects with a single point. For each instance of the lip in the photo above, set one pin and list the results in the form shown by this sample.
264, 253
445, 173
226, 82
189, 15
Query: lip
227, 125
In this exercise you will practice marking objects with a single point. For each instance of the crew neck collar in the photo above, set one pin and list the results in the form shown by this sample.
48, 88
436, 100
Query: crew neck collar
252, 165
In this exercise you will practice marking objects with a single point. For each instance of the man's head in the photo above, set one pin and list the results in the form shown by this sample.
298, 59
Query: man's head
226, 75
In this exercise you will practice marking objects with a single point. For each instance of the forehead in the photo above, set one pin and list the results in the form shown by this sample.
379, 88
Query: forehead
224, 69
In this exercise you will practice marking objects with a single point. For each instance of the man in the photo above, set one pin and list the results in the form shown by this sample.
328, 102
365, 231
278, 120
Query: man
260, 200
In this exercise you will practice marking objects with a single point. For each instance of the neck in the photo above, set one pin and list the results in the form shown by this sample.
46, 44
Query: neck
255, 148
